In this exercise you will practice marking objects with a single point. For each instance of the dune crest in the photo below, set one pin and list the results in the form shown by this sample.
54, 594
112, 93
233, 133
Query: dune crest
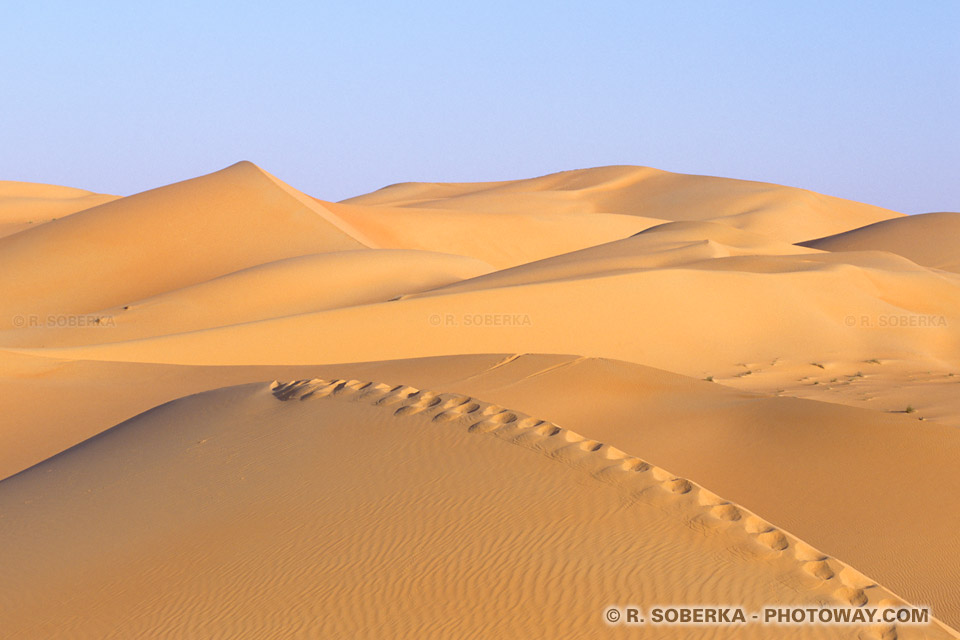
230, 470
785, 213
25, 205
170, 237
929, 239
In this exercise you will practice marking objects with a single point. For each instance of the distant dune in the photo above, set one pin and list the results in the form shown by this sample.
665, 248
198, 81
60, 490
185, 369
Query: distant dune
784, 213
164, 239
232, 409
930, 239
24, 205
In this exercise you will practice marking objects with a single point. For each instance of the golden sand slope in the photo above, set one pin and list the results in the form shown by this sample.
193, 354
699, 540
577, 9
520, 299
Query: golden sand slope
930, 239
163, 239
698, 320
364, 510
291, 286
24, 205
504, 239
784, 213
777, 456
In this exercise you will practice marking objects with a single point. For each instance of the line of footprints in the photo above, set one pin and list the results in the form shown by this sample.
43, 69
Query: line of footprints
604, 462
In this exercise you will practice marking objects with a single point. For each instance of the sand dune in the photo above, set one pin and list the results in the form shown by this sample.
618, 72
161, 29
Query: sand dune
811, 299
784, 213
24, 205
504, 239
262, 547
689, 320
286, 287
777, 456
671, 244
930, 239
170, 237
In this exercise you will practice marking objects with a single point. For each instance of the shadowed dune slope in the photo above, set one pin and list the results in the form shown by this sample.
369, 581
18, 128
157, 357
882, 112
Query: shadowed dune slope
930, 239
405, 512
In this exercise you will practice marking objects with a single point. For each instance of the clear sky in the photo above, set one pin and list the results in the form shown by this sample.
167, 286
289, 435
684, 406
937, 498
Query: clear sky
855, 99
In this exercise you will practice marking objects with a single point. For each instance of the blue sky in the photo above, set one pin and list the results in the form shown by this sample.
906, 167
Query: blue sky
854, 99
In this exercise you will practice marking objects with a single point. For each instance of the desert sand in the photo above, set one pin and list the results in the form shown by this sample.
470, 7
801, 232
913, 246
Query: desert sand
231, 409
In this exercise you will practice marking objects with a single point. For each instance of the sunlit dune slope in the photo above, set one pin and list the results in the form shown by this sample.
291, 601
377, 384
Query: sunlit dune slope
778, 456
504, 239
672, 244
163, 239
693, 320
259, 511
930, 239
288, 287
24, 205
784, 213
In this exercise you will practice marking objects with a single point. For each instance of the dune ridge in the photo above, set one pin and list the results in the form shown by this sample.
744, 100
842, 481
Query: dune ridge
288, 287
810, 298
929, 239
172, 236
605, 463
221, 452
25, 205
786, 213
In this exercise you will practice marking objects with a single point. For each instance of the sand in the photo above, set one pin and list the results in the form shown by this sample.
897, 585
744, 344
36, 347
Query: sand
25, 205
519, 404
927, 239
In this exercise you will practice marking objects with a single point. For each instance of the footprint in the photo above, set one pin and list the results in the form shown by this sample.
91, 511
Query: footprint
819, 569
459, 411
398, 394
494, 422
855, 597
678, 485
773, 540
726, 511
419, 403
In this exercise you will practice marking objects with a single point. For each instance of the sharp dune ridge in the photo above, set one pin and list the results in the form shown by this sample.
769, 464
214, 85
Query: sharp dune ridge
793, 351
222, 454
237, 218
785, 450
927, 239
605, 463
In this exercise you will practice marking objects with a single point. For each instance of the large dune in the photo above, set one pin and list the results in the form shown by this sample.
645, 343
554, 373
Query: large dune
784, 213
372, 507
701, 319
156, 484
930, 239
163, 239
24, 205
